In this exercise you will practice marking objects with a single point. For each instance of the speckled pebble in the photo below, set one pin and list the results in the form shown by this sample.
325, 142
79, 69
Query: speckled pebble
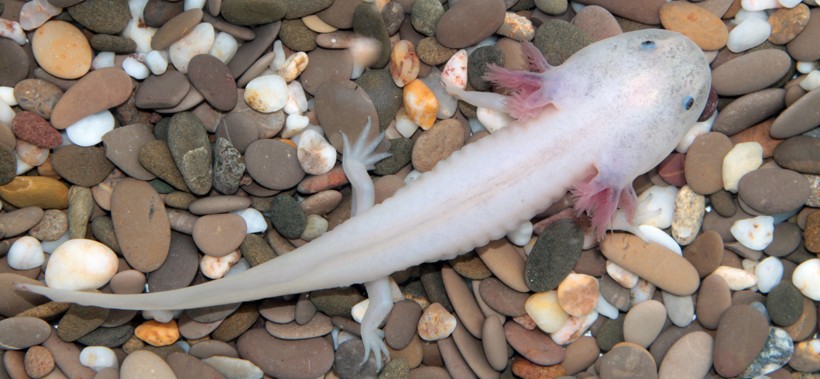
79, 321
558, 40
436, 323
554, 255
437, 143
189, 145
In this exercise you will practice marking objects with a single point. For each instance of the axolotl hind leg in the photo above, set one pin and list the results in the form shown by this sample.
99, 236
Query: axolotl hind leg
601, 196
356, 160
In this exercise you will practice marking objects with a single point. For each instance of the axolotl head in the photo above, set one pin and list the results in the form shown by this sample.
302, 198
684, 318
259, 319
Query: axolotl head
654, 82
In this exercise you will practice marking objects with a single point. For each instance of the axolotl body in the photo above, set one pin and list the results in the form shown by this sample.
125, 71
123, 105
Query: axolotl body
611, 112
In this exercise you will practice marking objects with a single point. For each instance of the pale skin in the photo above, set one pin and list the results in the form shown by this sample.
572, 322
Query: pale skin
592, 125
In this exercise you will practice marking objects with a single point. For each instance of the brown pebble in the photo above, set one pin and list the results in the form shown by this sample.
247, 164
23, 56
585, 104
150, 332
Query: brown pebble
628, 360
463, 301
98, 90
580, 354
787, 23
141, 224
534, 345
700, 25
39, 362
526, 369
741, 333
703, 167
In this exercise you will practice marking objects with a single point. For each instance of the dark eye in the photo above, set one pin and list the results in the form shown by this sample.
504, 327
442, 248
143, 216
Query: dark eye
648, 45
688, 102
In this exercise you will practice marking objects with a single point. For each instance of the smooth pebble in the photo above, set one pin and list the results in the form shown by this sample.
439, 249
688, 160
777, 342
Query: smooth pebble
197, 41
90, 130
742, 158
26, 253
806, 278
98, 358
769, 272
266, 94
755, 233
81, 264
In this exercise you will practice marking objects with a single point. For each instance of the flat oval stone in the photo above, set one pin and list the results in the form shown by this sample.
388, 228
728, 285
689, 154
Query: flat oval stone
122, 147
141, 224
219, 204
689, 357
534, 345
740, 337
554, 255
273, 164
655, 263
178, 26
30, 127
38, 191
326, 65
501, 298
402, 323
714, 298
784, 303
188, 366
701, 26
253, 12
99, 90
804, 46
749, 110
191, 149
83, 166
162, 91
703, 166
644, 322
180, 266
773, 190
14, 301
36, 95
238, 128
23, 332
750, 72
249, 52
214, 81
705, 253
219, 235
799, 117
62, 50
158, 12
467, 23
155, 157
626, 361
344, 97
309, 358
14, 63
145, 364
799, 153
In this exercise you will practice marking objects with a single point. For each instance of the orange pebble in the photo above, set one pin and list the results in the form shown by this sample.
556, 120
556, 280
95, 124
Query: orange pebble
158, 334
420, 104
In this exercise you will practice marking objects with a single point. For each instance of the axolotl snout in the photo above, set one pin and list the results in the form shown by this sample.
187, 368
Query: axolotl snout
611, 112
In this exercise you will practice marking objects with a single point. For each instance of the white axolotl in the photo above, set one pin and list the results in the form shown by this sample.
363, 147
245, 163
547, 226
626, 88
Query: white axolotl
611, 112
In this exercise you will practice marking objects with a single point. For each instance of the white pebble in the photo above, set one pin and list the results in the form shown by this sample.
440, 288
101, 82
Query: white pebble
294, 124
104, 59
806, 278
606, 309
315, 154
698, 129
267, 93
90, 130
521, 235
159, 316
193, 4
234, 368
6, 113
455, 70
742, 159
26, 253
755, 233
804, 67
315, 226
748, 34
295, 64
12, 30
651, 234
358, 310
137, 31
81, 264
656, 206
574, 328
769, 272
198, 41
35, 13
736, 278
297, 101
642, 292
7, 95
789, 3
254, 220
217, 267
743, 15
405, 125
157, 61
98, 358
621, 275
224, 47
812, 81
493, 120
544, 309
135, 69
758, 5
279, 56
22, 167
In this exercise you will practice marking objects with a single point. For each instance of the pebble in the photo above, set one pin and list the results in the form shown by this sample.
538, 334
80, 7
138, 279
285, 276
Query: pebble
18, 221
533, 345
143, 364
695, 22
219, 235
755, 233
750, 72
787, 23
90, 14
162, 91
578, 294
23, 332
501, 298
38, 362
255, 344
173, 29
742, 159
404, 63
198, 41
273, 164
266, 94
628, 360
314, 153
424, 15
39, 191
786, 190
38, 96
481, 18
30, 127
737, 279
51, 227
801, 47
644, 322
437, 143
436, 323
141, 224
97, 91
805, 357
677, 275
191, 150
122, 147
690, 356
98, 358
157, 333
61, 50
80, 264
689, 210
90, 130
156, 158
805, 278
26, 253
775, 354
749, 110
212, 78
749, 33
798, 154
798, 117
741, 334
769, 272
545, 311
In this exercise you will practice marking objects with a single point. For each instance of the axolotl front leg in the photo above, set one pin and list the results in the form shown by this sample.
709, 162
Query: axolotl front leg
357, 159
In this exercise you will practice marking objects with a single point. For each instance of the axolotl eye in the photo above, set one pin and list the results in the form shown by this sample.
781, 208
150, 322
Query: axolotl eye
688, 102
648, 45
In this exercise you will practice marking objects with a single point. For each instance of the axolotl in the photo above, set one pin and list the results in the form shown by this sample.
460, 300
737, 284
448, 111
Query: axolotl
611, 112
